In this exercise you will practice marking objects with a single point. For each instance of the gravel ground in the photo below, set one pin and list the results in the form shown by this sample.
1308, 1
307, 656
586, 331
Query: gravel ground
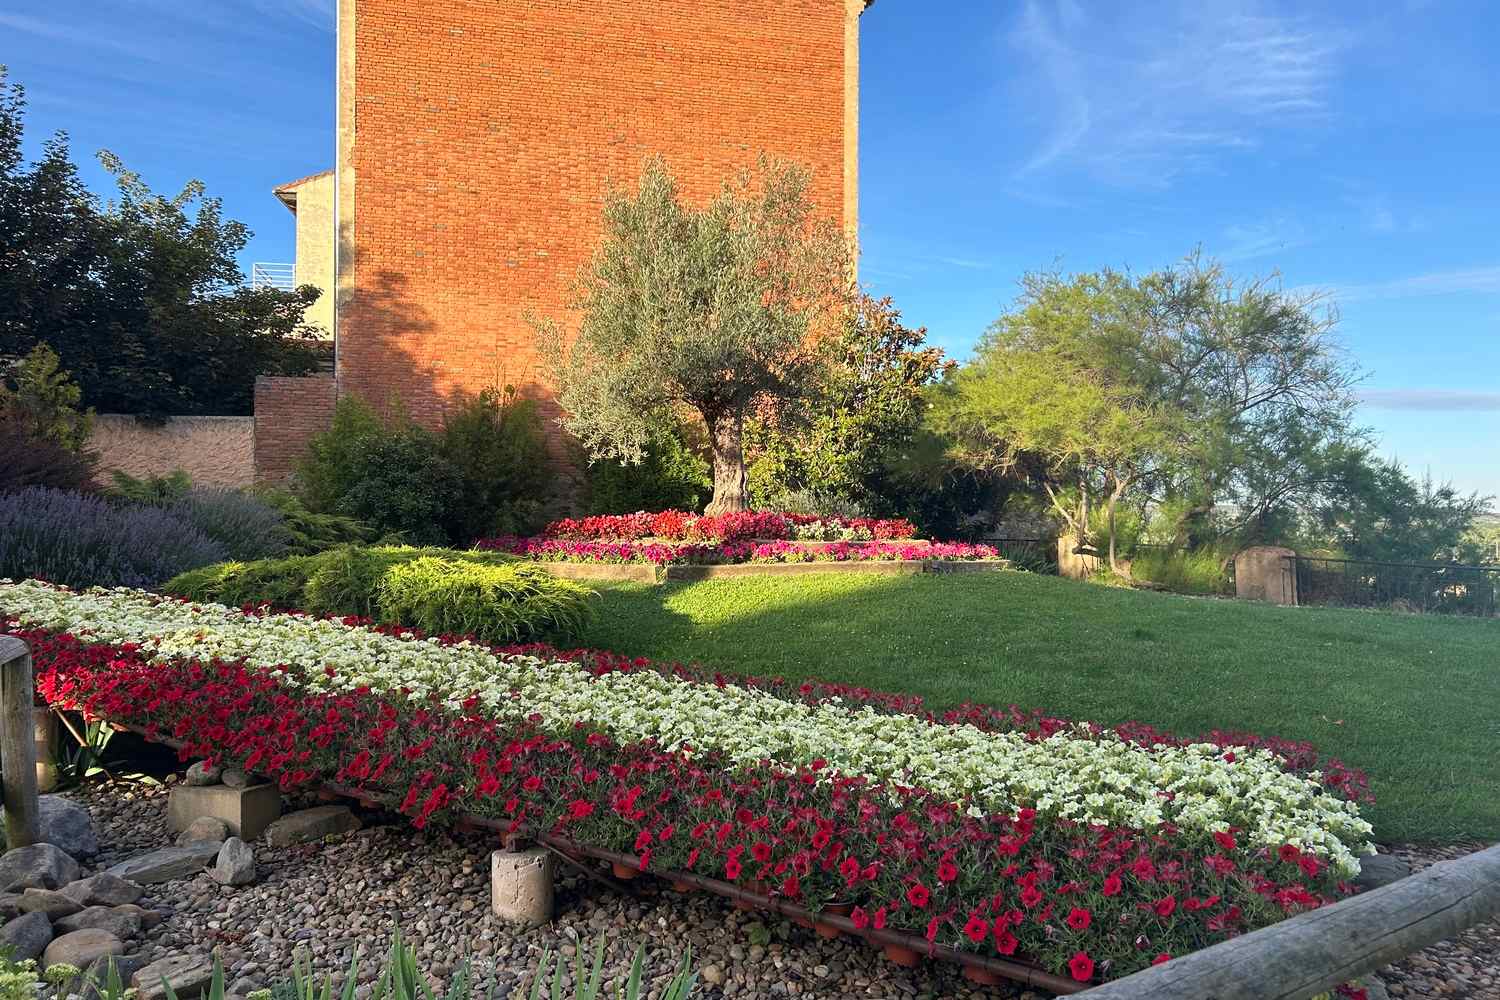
1465, 966
339, 901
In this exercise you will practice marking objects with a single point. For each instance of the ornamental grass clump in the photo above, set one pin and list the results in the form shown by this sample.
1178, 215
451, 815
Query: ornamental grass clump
83, 541
1091, 851
486, 594
493, 603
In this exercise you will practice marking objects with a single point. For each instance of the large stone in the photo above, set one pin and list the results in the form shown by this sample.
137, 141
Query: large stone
167, 864
148, 918
49, 901
40, 866
1377, 870
235, 778
246, 811
188, 975
65, 824
203, 774
310, 825
81, 948
121, 922
103, 889
236, 863
521, 885
26, 936
204, 828
9, 906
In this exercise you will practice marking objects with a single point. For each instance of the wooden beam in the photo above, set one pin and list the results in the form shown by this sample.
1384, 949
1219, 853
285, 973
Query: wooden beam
1313, 952
18, 744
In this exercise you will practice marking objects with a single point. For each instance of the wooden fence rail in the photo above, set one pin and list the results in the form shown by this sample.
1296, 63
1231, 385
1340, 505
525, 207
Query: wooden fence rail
1313, 952
18, 744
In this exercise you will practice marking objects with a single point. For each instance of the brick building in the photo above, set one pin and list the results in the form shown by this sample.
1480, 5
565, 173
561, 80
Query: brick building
476, 139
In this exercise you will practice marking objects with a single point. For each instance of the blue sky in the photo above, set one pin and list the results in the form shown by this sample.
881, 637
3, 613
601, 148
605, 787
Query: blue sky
1354, 148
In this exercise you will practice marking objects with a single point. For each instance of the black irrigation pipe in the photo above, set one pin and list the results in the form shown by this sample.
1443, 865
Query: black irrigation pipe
983, 965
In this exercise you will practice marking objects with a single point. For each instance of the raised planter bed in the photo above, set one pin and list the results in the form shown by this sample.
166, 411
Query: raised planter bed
647, 573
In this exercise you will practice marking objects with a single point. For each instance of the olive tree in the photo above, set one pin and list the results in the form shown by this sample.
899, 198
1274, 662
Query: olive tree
717, 308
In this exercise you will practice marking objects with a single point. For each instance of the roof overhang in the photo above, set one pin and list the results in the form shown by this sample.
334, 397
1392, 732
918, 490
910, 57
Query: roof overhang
287, 193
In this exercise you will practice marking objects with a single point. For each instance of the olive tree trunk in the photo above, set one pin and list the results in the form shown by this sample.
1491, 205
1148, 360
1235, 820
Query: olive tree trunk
725, 432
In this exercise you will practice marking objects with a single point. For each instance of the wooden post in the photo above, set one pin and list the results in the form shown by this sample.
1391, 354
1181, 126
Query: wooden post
1313, 952
18, 744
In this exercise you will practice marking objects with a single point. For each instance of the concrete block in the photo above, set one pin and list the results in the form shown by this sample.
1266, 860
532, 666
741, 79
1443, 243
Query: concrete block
308, 826
521, 885
1266, 573
246, 811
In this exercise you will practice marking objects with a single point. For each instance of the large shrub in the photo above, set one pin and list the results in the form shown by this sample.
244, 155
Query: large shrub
402, 485
29, 460
671, 475
494, 443
489, 594
82, 541
327, 471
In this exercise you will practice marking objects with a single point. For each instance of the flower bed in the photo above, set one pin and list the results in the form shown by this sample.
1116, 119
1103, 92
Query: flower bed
1092, 852
730, 553
681, 526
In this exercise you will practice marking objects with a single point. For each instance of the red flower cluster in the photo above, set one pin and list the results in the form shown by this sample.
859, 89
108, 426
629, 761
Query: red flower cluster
1089, 900
681, 526
718, 553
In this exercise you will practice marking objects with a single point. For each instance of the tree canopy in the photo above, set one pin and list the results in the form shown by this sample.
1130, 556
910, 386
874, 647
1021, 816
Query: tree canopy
141, 297
714, 307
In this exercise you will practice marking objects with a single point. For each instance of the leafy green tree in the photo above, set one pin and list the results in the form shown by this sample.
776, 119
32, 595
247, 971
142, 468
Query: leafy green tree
1374, 509
1060, 381
141, 298
713, 308
841, 438
494, 442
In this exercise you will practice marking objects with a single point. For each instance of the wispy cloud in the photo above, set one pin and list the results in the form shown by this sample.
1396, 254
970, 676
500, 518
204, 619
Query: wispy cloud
1482, 280
73, 33
318, 13
1431, 399
1138, 100
1247, 241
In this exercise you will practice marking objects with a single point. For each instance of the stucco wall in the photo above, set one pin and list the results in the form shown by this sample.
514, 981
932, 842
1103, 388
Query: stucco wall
215, 451
315, 246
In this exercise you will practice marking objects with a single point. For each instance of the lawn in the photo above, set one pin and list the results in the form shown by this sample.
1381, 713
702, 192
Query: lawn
1413, 700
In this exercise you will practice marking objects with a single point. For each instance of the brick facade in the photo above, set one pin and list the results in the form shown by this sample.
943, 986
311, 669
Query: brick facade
477, 137
288, 412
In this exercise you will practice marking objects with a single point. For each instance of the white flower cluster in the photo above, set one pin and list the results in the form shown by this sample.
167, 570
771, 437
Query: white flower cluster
1070, 775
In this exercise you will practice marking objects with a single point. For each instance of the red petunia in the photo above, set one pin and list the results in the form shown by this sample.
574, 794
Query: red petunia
1081, 966
1030, 896
1112, 885
918, 895
977, 929
878, 920
1079, 918
860, 918
1165, 906
1289, 852
1005, 942
731, 869
947, 871
1225, 840
1161, 959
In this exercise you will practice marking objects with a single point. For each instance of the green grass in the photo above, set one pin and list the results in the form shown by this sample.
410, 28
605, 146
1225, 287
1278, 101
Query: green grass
1413, 700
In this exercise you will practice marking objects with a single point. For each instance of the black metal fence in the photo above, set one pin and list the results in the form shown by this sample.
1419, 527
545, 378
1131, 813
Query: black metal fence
1439, 588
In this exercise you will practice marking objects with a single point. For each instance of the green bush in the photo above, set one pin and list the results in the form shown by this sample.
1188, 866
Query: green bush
1201, 571
494, 443
496, 603
326, 473
402, 485
671, 476
491, 595
311, 532
156, 491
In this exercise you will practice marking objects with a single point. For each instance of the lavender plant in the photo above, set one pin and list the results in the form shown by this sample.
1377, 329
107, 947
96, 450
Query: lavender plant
82, 541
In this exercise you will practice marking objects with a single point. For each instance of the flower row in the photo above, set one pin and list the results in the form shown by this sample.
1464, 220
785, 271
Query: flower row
681, 526
1091, 901
1073, 774
707, 554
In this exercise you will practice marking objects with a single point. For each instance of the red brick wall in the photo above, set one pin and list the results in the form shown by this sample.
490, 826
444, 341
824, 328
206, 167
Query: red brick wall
485, 132
288, 412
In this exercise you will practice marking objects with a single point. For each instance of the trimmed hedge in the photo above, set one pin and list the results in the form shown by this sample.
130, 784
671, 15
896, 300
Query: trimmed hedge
489, 595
